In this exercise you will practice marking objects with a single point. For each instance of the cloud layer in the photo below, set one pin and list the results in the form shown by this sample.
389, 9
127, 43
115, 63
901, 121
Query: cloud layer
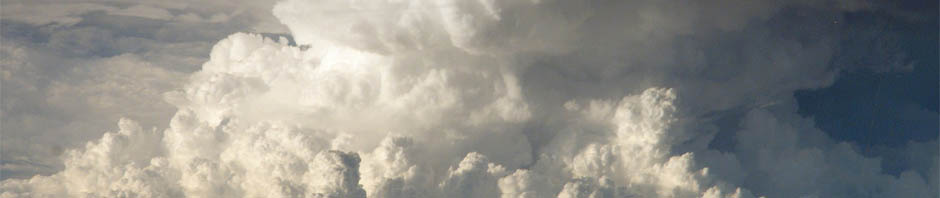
498, 99
73, 68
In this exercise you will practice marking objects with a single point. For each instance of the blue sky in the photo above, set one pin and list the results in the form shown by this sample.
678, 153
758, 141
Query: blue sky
879, 108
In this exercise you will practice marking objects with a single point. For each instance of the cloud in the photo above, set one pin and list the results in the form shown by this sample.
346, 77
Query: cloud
338, 175
221, 109
394, 170
52, 103
145, 11
483, 99
473, 177
77, 67
57, 13
772, 147
588, 187
121, 163
524, 184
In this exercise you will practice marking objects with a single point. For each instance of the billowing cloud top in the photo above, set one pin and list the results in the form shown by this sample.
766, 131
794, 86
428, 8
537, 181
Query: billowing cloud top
489, 98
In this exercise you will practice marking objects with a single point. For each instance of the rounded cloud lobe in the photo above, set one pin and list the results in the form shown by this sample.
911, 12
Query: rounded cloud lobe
494, 99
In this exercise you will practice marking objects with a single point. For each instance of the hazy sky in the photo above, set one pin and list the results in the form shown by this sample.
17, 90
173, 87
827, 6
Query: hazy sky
469, 98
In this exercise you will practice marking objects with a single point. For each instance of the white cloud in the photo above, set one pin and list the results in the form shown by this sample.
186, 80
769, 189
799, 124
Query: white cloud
525, 184
590, 188
474, 177
468, 99
121, 163
336, 174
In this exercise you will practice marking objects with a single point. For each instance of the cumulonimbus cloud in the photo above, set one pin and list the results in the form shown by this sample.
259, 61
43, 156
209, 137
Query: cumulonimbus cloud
452, 99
